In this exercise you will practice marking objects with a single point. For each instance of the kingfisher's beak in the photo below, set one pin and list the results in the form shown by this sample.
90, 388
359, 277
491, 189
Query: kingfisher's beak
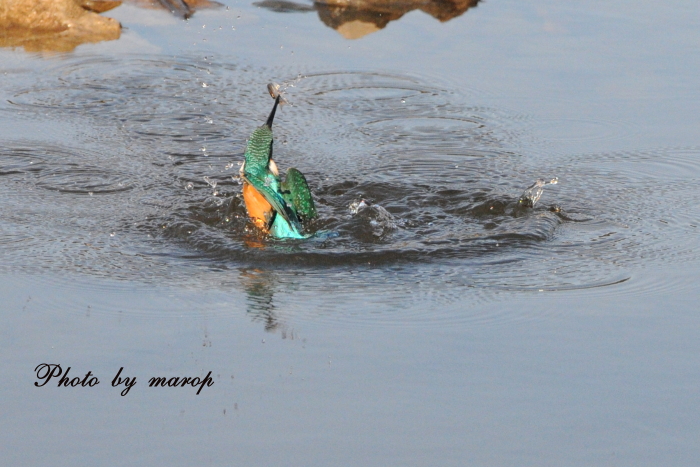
272, 114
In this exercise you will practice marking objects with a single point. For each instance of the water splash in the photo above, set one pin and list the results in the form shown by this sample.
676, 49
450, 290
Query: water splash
211, 183
532, 194
357, 206
374, 218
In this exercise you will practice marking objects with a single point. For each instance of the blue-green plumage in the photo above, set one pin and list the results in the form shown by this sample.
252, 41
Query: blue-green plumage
288, 201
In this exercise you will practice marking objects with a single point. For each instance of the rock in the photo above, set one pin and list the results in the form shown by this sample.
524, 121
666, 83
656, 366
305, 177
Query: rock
55, 25
354, 19
99, 6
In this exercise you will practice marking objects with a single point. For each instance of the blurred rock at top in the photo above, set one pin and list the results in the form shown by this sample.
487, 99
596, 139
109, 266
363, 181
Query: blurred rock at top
55, 25
354, 19
62, 25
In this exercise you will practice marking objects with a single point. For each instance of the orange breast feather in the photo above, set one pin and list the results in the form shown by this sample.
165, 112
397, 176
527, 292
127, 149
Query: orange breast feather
258, 208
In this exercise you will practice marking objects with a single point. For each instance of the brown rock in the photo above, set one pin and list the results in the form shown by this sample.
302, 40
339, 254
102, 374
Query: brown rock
55, 25
357, 18
445, 10
352, 22
99, 6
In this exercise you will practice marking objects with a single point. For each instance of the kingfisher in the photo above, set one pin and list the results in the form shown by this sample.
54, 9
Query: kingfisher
277, 207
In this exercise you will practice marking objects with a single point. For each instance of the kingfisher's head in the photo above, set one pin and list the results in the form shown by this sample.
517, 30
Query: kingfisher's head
258, 152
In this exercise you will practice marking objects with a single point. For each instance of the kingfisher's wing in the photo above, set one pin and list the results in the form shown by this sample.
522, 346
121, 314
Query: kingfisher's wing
296, 192
275, 199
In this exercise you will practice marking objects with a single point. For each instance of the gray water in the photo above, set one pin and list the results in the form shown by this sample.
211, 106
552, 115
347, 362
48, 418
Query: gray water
445, 324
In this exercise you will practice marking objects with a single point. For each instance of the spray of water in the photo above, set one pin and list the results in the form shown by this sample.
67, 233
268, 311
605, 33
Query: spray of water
533, 193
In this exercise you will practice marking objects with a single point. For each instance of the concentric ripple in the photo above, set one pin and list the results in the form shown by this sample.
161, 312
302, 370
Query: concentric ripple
413, 183
74, 178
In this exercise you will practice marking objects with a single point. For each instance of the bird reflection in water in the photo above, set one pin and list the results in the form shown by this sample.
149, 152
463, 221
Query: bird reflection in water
260, 287
354, 19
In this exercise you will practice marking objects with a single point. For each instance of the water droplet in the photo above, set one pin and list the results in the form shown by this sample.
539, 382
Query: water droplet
210, 182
